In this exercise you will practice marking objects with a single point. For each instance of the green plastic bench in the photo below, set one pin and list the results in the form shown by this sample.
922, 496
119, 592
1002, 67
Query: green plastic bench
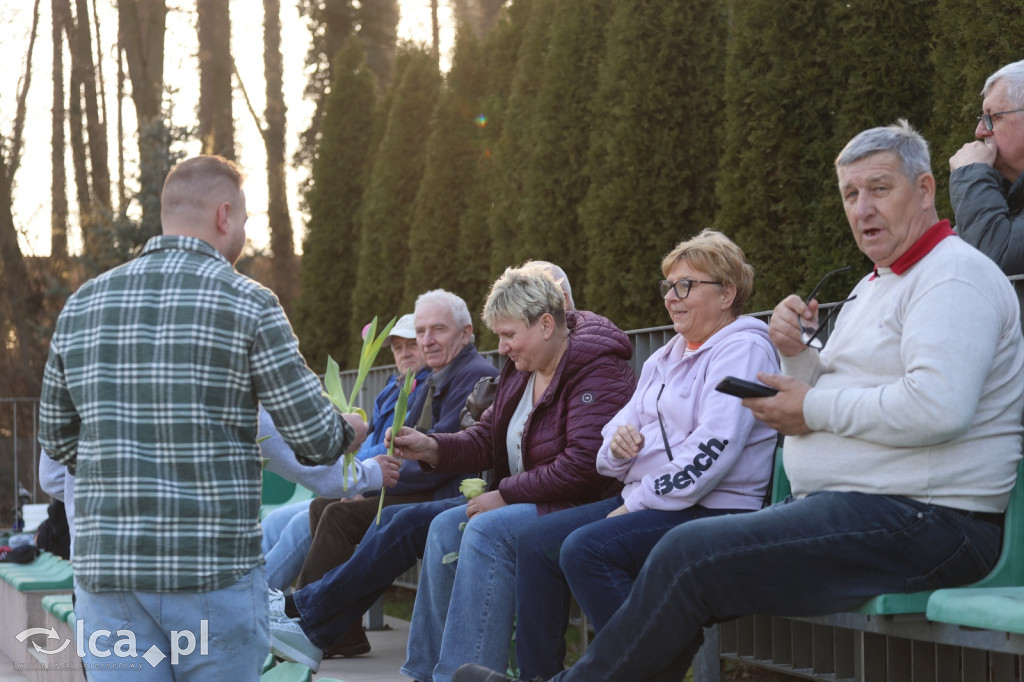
60, 605
279, 491
47, 572
989, 608
780, 482
997, 601
287, 672
276, 489
1009, 569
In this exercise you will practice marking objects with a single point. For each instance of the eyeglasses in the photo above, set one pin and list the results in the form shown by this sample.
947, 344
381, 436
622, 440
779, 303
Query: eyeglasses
681, 288
987, 118
809, 332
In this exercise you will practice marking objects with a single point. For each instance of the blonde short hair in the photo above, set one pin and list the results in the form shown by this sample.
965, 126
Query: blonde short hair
191, 181
525, 293
720, 258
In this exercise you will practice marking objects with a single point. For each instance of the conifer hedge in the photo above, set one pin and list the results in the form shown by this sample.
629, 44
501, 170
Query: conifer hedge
599, 133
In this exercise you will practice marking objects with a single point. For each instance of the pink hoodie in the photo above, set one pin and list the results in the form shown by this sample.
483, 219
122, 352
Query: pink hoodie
721, 456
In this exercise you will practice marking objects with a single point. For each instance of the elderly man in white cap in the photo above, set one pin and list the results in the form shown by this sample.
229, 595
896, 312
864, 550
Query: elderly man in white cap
287, 531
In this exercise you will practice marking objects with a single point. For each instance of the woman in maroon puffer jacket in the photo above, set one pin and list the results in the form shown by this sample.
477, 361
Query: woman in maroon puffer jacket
566, 376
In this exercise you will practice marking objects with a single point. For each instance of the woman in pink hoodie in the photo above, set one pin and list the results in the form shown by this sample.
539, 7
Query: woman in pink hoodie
682, 450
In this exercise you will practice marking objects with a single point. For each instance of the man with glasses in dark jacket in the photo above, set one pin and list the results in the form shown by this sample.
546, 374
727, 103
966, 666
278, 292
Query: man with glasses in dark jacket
986, 183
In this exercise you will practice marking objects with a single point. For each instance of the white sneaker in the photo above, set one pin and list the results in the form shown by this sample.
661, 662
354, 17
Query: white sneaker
275, 605
288, 641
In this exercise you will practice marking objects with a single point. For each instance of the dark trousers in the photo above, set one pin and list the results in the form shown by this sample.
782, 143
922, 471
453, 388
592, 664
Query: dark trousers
825, 553
338, 526
333, 604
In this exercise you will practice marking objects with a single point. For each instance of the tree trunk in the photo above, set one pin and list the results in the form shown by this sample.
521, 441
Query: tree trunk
19, 116
122, 191
80, 166
435, 28
81, 54
216, 124
141, 28
281, 238
58, 175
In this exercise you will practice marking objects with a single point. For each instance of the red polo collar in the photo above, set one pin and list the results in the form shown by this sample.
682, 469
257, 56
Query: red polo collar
921, 248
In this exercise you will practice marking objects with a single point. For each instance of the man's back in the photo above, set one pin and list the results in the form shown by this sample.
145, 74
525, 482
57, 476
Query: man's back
162, 360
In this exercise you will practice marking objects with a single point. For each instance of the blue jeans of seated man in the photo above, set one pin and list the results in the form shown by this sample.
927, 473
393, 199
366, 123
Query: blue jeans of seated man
464, 609
821, 554
237, 633
336, 602
286, 541
598, 556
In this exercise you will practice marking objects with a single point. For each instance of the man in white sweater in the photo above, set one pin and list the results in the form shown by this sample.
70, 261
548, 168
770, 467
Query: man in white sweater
904, 435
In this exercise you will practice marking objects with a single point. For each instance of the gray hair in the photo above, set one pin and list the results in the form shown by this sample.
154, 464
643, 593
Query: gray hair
898, 138
525, 293
1014, 75
458, 308
561, 279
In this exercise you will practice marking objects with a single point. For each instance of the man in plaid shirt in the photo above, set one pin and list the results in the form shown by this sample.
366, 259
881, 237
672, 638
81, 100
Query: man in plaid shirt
150, 396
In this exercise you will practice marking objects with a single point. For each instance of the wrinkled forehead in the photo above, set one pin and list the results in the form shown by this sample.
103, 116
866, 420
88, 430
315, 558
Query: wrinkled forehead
433, 316
878, 167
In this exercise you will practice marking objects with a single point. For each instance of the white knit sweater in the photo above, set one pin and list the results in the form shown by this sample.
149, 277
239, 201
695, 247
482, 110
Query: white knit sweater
920, 388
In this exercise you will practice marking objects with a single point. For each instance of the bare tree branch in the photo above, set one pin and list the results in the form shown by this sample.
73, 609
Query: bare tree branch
19, 119
260, 126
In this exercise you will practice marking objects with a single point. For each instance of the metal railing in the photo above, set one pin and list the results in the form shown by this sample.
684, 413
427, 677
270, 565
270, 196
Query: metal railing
19, 417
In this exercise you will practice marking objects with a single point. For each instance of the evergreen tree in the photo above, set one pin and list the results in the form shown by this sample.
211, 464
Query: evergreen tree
394, 179
452, 155
554, 181
653, 152
801, 81
477, 271
778, 126
884, 74
512, 152
323, 309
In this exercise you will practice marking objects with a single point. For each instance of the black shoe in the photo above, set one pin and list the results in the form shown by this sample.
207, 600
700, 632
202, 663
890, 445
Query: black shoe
352, 643
472, 672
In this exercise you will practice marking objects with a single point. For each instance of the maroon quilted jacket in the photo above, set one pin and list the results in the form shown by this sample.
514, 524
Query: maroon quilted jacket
563, 433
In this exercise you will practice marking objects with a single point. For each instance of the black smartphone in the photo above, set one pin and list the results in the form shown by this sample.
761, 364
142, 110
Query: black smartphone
744, 389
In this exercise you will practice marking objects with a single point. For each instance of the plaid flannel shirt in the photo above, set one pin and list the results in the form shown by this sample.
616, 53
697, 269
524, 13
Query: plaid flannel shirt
150, 397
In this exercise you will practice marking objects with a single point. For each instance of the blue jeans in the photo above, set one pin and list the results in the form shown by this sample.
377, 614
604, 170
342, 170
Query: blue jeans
821, 554
218, 635
336, 602
464, 609
286, 541
598, 556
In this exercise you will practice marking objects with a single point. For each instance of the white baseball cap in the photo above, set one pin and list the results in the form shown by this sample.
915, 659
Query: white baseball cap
405, 328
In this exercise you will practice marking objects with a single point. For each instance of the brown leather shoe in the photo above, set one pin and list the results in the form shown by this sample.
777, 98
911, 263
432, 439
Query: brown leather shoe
352, 643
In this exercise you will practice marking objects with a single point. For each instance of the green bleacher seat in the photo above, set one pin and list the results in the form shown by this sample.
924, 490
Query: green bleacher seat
47, 572
997, 601
1009, 568
279, 491
276, 489
780, 482
300, 494
287, 672
60, 605
989, 608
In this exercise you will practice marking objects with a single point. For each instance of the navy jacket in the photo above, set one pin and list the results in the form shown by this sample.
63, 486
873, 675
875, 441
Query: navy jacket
449, 399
